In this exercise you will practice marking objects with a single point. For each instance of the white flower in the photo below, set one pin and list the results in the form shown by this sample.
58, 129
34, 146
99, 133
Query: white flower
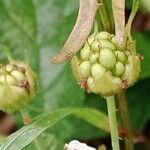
76, 145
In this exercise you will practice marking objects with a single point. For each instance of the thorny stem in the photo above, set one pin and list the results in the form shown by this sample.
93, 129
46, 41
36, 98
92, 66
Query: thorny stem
104, 14
113, 122
124, 111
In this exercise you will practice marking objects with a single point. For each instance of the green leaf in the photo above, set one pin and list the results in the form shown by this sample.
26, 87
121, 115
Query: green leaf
18, 28
139, 105
143, 47
146, 4
27, 134
41, 28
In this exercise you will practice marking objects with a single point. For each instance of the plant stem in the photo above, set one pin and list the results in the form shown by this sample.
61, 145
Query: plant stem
113, 122
124, 111
105, 18
26, 117
135, 7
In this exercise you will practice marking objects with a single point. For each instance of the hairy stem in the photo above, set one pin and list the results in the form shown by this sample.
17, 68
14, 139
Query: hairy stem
105, 18
113, 122
124, 111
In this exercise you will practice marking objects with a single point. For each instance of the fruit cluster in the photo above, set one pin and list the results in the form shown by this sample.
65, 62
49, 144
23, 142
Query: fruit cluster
17, 85
104, 66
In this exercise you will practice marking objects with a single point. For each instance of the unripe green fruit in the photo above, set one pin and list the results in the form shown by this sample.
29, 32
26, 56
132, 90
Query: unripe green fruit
17, 86
12, 98
106, 44
85, 68
121, 56
107, 58
102, 35
85, 53
11, 80
95, 46
97, 70
90, 81
2, 79
117, 80
115, 42
132, 69
94, 58
7, 79
18, 75
108, 67
119, 69
90, 40
9, 68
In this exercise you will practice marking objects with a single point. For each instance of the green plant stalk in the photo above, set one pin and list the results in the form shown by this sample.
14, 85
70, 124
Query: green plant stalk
135, 7
124, 111
113, 122
105, 18
24, 114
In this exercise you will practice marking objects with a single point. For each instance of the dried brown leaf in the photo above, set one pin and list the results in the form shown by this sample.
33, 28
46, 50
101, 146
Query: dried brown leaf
80, 31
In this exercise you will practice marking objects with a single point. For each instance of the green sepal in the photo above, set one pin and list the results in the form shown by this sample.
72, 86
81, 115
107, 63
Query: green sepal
12, 98
16, 96
75, 68
106, 85
132, 69
30, 75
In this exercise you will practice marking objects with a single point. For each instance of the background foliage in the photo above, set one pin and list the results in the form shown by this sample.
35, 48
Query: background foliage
41, 28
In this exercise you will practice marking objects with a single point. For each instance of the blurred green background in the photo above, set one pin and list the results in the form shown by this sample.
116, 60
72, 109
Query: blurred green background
40, 28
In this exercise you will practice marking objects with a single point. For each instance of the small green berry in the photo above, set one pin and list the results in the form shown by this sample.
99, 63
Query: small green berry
85, 53
85, 67
106, 44
95, 46
119, 69
107, 58
105, 65
7, 79
111, 36
2, 79
117, 80
90, 81
9, 68
11, 80
115, 42
17, 75
97, 70
94, 58
121, 56
102, 35
17, 86
90, 40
